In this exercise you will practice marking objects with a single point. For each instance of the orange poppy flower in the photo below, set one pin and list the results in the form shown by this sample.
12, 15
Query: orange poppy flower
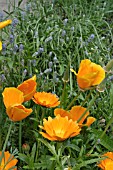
46, 99
18, 112
89, 74
28, 88
5, 23
59, 128
8, 161
0, 45
13, 98
107, 163
74, 114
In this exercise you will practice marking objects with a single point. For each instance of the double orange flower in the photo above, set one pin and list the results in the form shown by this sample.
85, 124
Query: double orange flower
107, 163
59, 128
46, 99
14, 97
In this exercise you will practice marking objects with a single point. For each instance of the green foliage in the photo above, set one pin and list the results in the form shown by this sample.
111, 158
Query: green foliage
56, 35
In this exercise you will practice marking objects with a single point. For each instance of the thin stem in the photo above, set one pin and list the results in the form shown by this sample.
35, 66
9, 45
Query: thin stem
58, 146
91, 103
68, 107
7, 137
87, 97
63, 94
20, 136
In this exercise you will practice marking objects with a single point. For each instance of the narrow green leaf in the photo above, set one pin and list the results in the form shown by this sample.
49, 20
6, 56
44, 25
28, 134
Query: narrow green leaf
85, 163
111, 96
33, 151
105, 141
23, 157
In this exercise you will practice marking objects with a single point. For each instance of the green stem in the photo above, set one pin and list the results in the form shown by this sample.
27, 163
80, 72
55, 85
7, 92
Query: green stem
20, 136
91, 103
7, 137
58, 146
87, 97
43, 113
63, 94
68, 107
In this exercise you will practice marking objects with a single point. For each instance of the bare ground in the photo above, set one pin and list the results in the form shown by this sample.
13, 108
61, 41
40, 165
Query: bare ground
4, 4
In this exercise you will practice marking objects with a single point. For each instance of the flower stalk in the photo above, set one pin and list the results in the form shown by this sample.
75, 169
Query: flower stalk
7, 137
72, 102
91, 103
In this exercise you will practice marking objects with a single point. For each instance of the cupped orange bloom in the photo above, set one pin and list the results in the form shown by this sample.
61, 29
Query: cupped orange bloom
75, 113
59, 128
18, 112
12, 96
28, 88
107, 163
13, 99
0, 45
89, 74
46, 99
5, 23
8, 161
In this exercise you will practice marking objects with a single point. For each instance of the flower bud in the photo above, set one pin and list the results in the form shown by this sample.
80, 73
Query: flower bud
25, 147
66, 75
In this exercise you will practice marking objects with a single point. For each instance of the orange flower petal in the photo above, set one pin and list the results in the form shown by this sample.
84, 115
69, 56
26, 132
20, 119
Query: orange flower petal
28, 88
59, 128
12, 96
107, 163
18, 112
46, 99
62, 113
74, 114
8, 161
45, 135
5, 23
89, 121
89, 74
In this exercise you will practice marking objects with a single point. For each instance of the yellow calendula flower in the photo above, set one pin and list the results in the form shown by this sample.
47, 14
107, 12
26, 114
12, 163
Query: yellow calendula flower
0, 45
89, 74
5, 23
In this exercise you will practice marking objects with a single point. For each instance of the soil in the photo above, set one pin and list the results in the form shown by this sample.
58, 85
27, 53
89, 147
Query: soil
9, 4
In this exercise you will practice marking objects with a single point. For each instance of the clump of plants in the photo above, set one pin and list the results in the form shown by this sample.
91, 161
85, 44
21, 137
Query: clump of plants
56, 86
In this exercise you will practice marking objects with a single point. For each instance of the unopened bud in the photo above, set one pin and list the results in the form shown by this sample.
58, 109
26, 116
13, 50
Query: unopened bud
66, 75
25, 147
